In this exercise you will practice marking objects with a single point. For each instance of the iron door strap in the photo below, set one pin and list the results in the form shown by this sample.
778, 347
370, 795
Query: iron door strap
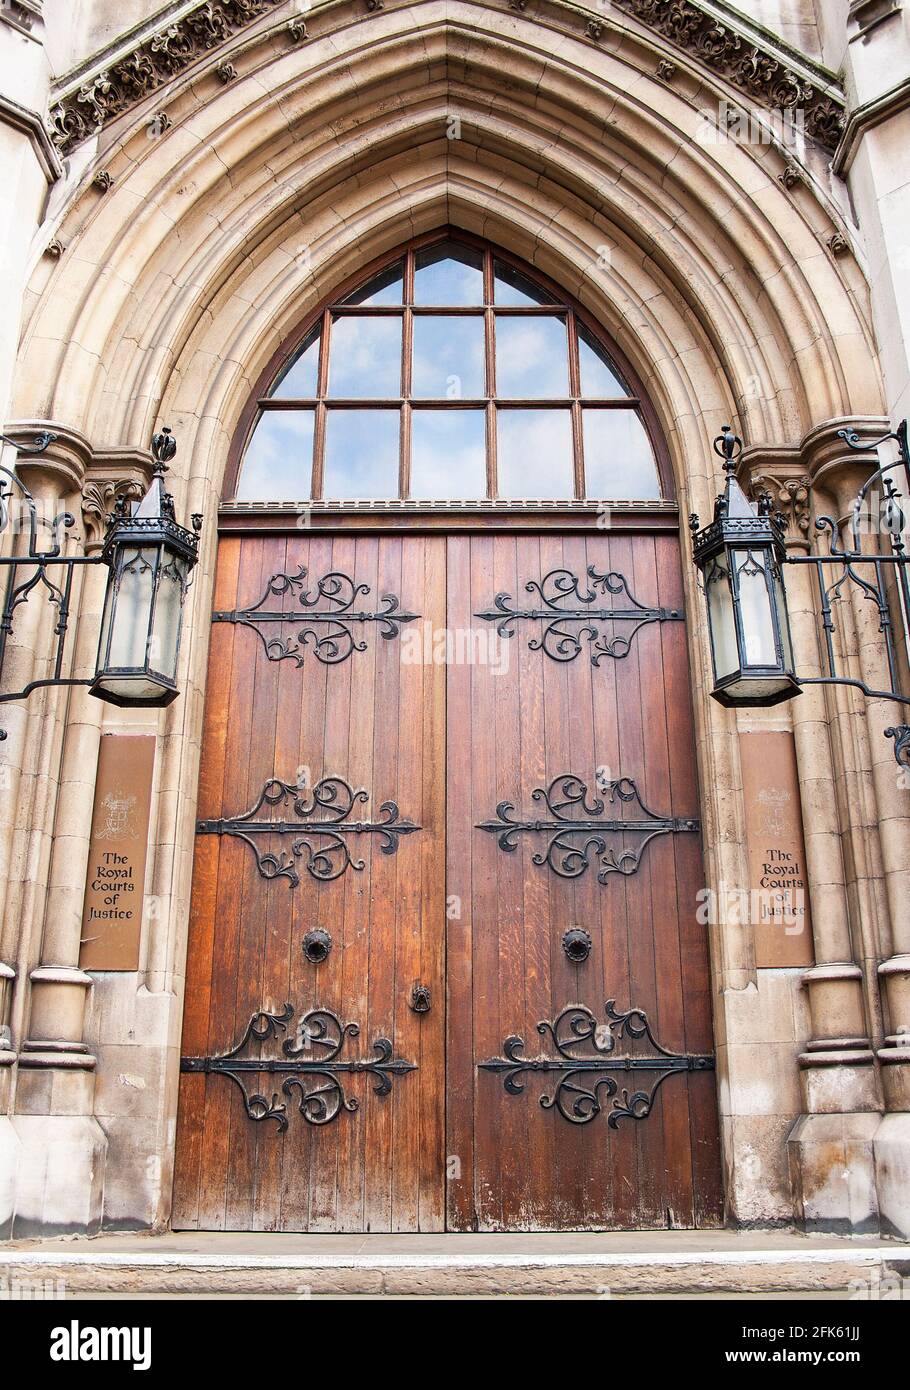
565, 604
577, 830
321, 828
310, 1062
325, 618
587, 1064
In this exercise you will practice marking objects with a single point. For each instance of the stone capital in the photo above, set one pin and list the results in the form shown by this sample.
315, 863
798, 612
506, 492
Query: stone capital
114, 474
836, 471
779, 471
60, 469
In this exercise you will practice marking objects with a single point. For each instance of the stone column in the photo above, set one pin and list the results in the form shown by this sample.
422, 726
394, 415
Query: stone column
62, 1146
831, 1145
30, 753
29, 165
889, 820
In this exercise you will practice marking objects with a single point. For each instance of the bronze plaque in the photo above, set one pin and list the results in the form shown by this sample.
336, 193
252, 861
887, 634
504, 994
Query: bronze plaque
115, 885
778, 890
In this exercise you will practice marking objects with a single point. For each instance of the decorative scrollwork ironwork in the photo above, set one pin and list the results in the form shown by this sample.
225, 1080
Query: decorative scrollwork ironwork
566, 608
323, 622
310, 1065
578, 830
320, 844
588, 1063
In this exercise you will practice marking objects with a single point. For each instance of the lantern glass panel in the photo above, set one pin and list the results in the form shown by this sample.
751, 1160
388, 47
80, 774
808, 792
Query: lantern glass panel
132, 604
722, 621
168, 615
759, 647
783, 620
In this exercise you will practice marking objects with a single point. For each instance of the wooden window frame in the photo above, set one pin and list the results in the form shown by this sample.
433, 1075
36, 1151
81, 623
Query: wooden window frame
563, 306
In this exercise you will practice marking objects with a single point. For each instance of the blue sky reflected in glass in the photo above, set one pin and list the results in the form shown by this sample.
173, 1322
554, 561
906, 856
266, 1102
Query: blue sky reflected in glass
532, 357
448, 357
535, 453
597, 375
277, 466
449, 275
361, 454
619, 460
365, 357
300, 380
448, 454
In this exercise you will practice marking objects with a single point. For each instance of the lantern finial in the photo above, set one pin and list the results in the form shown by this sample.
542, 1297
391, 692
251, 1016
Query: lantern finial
729, 446
164, 447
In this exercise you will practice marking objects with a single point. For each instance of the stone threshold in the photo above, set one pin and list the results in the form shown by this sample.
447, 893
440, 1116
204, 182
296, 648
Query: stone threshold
573, 1264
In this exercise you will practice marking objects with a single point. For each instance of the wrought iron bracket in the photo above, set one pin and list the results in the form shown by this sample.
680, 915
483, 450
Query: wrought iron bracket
578, 830
310, 1064
587, 1064
879, 571
566, 607
325, 621
321, 843
34, 564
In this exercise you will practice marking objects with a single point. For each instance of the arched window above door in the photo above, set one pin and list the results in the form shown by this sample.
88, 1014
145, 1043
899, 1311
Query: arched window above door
451, 374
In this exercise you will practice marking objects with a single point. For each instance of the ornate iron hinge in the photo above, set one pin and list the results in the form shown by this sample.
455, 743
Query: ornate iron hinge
324, 620
321, 843
578, 829
587, 1081
569, 615
301, 1064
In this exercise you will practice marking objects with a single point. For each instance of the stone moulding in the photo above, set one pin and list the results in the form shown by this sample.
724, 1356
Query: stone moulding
760, 72
763, 74
156, 60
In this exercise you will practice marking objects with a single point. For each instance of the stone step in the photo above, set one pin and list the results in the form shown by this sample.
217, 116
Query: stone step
629, 1264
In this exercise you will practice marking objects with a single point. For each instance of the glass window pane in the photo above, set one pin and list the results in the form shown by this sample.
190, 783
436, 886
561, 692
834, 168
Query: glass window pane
277, 466
598, 377
299, 378
755, 609
723, 622
384, 288
532, 357
134, 600
448, 357
361, 454
619, 460
365, 356
448, 274
448, 454
515, 290
535, 453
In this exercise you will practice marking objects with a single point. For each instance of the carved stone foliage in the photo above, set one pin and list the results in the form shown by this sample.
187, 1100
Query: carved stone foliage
763, 75
789, 497
99, 498
155, 61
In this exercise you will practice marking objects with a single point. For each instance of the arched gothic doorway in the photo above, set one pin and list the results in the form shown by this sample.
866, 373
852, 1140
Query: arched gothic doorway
445, 968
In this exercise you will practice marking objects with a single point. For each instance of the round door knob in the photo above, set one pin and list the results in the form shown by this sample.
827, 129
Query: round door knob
316, 945
577, 945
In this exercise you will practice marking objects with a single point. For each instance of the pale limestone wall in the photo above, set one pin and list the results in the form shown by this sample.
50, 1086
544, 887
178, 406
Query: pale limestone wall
173, 291
800, 23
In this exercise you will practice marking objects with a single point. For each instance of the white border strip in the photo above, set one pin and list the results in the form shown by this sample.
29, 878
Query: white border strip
194, 1260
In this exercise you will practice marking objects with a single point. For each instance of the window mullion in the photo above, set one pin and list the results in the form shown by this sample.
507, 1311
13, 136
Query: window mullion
490, 344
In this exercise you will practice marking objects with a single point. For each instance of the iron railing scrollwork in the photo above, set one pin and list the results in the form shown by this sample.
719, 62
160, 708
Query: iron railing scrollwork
321, 828
310, 1062
566, 608
578, 831
587, 1064
326, 617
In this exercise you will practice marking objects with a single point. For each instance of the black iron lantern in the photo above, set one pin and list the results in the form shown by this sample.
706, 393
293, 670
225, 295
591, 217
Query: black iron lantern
741, 557
150, 558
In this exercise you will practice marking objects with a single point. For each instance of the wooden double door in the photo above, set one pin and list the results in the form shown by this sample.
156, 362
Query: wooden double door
444, 968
